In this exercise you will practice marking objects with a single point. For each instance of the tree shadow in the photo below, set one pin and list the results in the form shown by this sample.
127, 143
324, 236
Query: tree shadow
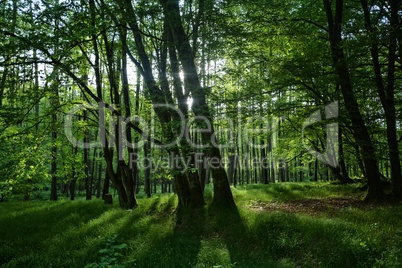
229, 226
154, 244
280, 239
245, 244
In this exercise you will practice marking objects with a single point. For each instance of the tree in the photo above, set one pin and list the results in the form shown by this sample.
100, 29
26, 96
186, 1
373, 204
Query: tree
222, 193
360, 131
386, 89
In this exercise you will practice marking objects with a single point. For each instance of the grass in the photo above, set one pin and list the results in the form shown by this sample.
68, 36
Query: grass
71, 234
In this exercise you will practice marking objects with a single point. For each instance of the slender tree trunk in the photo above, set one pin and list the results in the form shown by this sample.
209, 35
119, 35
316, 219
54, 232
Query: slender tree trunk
387, 92
264, 162
301, 169
93, 172
315, 169
360, 131
342, 166
6, 69
231, 167
73, 181
3, 84
272, 173
53, 190
247, 160
54, 102
130, 170
137, 111
88, 193
147, 170
99, 182
360, 164
106, 184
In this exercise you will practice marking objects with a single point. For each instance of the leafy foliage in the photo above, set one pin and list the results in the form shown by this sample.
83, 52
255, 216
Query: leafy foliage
110, 255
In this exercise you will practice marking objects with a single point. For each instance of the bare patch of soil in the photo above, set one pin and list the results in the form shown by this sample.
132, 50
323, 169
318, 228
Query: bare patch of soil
315, 206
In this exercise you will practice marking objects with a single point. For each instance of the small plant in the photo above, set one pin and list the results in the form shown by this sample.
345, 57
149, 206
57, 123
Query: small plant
5, 190
110, 255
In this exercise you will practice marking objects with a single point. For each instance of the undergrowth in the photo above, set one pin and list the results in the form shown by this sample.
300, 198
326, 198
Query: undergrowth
88, 233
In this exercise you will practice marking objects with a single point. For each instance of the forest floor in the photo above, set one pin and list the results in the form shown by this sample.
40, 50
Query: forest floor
315, 206
275, 225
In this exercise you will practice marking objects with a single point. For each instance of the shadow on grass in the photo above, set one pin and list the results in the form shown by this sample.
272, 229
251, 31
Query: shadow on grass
59, 234
70, 234
290, 191
242, 245
279, 239
304, 241
163, 239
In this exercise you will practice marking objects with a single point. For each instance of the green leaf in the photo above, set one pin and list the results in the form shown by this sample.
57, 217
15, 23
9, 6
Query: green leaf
121, 246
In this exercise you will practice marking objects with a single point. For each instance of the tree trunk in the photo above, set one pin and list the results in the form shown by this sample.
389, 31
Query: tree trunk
106, 184
147, 170
6, 70
264, 163
130, 170
88, 194
360, 131
315, 169
344, 178
231, 167
247, 160
387, 93
188, 153
54, 102
222, 193
158, 97
99, 181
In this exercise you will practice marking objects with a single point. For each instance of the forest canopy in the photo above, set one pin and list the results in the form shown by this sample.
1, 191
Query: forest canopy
176, 95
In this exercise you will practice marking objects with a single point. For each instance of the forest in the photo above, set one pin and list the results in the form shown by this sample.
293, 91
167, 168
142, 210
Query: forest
200, 133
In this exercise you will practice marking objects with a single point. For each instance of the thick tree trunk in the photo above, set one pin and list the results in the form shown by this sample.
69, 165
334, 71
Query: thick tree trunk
158, 97
222, 193
187, 152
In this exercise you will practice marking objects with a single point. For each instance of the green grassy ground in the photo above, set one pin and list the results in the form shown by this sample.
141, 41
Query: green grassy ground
281, 225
